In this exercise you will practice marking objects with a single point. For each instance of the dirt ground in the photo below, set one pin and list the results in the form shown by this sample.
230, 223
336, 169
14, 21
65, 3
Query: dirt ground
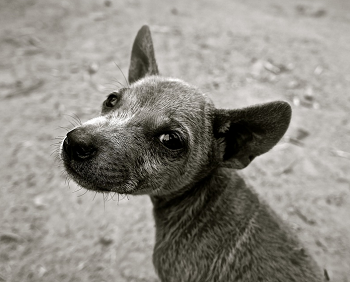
57, 60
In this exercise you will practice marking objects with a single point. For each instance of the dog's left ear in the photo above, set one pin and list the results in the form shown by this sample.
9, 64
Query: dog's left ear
143, 61
246, 133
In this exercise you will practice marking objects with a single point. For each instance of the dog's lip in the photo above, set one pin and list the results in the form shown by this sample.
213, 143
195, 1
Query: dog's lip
75, 175
100, 189
86, 184
80, 179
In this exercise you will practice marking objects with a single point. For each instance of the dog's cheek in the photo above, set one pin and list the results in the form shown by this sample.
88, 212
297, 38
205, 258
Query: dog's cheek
147, 167
171, 176
151, 171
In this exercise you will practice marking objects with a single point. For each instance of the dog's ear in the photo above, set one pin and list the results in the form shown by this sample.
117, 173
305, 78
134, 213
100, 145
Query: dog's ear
243, 134
143, 61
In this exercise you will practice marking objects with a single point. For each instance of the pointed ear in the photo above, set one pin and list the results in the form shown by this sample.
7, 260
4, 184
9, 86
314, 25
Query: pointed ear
246, 133
143, 61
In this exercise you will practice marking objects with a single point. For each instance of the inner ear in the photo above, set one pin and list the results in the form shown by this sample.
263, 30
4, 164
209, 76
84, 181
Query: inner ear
143, 61
236, 135
244, 134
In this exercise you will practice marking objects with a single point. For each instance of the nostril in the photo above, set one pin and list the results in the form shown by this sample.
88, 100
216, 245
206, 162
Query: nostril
66, 145
85, 152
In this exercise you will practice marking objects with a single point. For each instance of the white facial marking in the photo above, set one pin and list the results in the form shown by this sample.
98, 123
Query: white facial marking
96, 121
115, 120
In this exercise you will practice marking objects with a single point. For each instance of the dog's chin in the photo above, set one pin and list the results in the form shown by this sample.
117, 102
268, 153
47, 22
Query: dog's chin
81, 181
86, 184
128, 187
98, 186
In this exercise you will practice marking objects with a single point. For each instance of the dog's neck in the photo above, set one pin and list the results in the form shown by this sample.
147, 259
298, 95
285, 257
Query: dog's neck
205, 194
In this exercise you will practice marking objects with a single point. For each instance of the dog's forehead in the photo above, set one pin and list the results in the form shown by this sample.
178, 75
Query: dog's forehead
157, 101
159, 93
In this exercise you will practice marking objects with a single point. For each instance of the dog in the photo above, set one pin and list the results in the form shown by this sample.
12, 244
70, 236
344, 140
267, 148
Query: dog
164, 138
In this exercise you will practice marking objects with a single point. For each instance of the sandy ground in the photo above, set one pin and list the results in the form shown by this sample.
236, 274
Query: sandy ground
57, 60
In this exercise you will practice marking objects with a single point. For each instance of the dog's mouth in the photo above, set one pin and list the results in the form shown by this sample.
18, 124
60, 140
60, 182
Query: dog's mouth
81, 181
81, 178
89, 179
101, 190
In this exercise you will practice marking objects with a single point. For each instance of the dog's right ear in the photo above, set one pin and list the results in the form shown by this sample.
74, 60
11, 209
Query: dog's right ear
143, 61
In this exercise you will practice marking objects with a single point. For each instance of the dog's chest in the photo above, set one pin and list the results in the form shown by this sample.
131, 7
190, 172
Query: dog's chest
183, 260
192, 250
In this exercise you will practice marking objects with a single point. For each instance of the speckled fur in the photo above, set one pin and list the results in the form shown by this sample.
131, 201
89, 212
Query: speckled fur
210, 226
221, 231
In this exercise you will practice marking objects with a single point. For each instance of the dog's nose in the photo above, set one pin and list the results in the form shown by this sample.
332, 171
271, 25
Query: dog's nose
79, 145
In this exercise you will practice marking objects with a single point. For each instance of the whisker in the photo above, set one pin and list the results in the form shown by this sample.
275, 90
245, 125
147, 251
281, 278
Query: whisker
112, 86
77, 119
127, 82
120, 84
104, 201
77, 190
61, 127
54, 152
115, 193
59, 137
70, 121
83, 193
112, 196
65, 128
68, 182
55, 144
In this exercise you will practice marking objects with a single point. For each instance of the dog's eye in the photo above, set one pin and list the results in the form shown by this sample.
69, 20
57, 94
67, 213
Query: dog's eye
112, 100
171, 140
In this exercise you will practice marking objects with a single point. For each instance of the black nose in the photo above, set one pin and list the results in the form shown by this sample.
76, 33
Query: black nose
78, 145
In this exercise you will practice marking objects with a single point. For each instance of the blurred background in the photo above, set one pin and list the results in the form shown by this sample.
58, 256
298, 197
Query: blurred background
58, 60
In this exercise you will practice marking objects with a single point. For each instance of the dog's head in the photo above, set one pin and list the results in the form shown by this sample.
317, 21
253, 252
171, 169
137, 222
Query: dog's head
159, 135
